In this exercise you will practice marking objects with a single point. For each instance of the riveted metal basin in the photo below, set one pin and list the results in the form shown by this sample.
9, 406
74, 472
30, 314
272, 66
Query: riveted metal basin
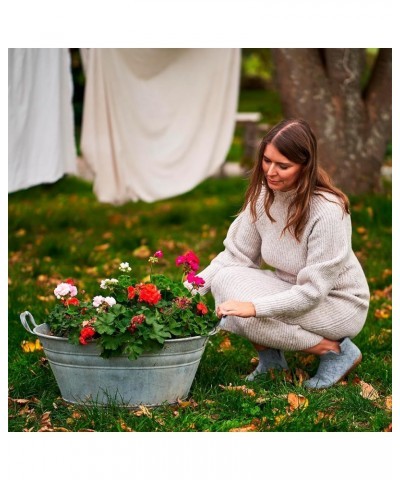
83, 376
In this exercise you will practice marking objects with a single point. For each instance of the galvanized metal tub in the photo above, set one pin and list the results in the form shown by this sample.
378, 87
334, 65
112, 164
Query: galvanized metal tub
83, 376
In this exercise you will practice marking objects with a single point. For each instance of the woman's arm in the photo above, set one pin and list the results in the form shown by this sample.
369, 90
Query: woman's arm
242, 248
329, 247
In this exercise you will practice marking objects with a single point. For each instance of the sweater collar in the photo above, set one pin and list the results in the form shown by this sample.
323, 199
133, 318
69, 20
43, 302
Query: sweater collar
284, 196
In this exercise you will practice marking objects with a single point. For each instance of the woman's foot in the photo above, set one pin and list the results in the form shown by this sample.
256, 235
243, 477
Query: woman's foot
269, 358
333, 366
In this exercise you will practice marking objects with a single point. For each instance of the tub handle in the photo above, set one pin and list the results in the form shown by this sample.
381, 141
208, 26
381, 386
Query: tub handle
25, 316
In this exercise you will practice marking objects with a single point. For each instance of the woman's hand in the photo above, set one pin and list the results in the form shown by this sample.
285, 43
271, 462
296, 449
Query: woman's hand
239, 309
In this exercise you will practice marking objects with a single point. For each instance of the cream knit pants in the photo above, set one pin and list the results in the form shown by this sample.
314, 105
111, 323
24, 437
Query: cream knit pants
335, 317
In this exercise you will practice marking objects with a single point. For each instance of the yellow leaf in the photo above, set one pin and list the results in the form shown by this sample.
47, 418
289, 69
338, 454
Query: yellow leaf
279, 419
28, 346
296, 401
361, 230
368, 391
388, 403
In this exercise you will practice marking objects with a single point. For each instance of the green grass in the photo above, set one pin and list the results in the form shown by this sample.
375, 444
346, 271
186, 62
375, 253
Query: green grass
60, 230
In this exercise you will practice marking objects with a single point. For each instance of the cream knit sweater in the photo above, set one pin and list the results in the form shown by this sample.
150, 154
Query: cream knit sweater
317, 287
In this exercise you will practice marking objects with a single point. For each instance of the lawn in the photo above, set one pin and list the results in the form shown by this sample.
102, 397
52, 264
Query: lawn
60, 230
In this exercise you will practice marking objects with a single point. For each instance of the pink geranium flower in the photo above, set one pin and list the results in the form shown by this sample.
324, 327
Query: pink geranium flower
190, 261
194, 279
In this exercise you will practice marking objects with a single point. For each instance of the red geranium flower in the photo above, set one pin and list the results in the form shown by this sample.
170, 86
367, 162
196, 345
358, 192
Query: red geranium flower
86, 334
135, 321
131, 292
70, 281
201, 309
72, 301
149, 293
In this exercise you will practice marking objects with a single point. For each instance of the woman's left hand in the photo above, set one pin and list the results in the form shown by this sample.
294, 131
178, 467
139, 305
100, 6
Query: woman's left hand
239, 309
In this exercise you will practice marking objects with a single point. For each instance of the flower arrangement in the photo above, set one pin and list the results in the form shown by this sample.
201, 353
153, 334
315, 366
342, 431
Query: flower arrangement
133, 317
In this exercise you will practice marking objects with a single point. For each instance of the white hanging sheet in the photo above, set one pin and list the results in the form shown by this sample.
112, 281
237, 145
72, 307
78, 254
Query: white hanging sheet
157, 122
41, 145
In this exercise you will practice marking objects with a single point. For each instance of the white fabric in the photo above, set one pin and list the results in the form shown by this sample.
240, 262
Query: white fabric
157, 122
41, 145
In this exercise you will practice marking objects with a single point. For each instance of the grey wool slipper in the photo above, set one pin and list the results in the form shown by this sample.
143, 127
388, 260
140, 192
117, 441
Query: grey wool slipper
333, 366
268, 359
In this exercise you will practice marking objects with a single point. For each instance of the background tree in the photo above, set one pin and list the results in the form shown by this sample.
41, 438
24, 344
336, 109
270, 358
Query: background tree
347, 104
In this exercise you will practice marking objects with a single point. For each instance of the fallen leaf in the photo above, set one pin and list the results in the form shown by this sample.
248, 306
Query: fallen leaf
242, 388
125, 427
186, 404
368, 391
301, 375
225, 345
322, 415
384, 293
388, 428
387, 272
388, 402
361, 230
247, 428
280, 418
20, 401
142, 252
382, 313
254, 361
142, 411
28, 346
296, 401
307, 359
102, 248
251, 427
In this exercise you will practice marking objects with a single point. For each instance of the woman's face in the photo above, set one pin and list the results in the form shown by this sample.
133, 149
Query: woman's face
281, 173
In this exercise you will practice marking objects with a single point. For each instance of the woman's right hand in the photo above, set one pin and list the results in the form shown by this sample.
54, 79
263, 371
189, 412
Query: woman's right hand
236, 308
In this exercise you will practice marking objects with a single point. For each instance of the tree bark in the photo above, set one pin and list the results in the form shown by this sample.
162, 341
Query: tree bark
352, 123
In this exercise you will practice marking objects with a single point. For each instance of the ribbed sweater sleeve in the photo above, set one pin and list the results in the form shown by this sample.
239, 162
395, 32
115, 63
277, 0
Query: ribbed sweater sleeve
328, 248
242, 248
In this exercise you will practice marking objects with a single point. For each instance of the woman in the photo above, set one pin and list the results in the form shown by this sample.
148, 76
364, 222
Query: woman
294, 220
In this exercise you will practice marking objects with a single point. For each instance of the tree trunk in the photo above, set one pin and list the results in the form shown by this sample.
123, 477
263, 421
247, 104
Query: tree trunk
352, 123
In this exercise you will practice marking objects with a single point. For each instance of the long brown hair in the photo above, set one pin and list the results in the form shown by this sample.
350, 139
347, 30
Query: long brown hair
295, 140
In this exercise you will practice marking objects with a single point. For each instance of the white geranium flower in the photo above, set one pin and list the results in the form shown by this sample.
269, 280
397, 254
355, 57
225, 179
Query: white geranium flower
108, 282
98, 300
124, 267
110, 300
